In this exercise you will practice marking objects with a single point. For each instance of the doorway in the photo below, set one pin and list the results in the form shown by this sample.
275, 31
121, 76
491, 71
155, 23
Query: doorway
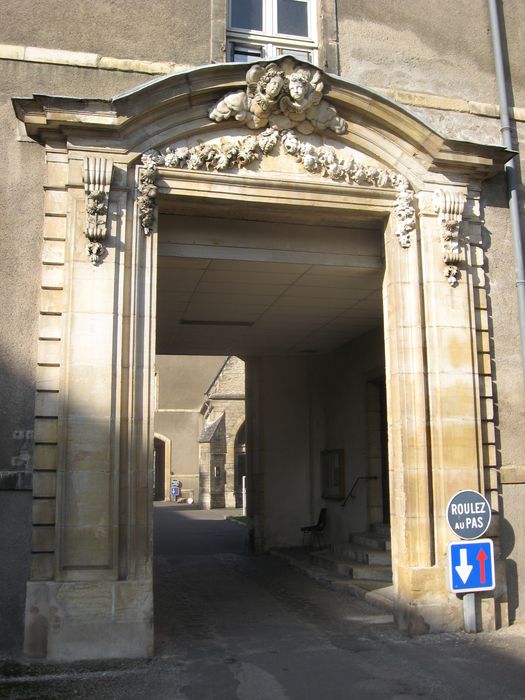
307, 323
159, 469
240, 467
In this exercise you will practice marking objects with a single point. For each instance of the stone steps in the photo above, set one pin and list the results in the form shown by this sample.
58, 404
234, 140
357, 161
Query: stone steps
371, 540
353, 569
373, 591
366, 556
361, 567
361, 554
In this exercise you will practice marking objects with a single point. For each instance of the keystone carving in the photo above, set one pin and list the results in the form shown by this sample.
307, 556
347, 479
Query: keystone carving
449, 208
287, 95
238, 152
96, 175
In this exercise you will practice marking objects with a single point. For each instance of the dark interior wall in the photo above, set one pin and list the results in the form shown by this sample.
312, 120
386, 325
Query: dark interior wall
345, 373
303, 406
278, 417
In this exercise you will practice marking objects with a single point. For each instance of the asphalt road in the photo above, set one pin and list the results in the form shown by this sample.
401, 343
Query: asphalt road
235, 626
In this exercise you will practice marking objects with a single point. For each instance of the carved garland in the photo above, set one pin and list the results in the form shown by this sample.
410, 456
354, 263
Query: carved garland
239, 152
96, 175
449, 208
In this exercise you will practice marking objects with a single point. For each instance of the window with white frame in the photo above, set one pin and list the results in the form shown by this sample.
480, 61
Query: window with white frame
271, 28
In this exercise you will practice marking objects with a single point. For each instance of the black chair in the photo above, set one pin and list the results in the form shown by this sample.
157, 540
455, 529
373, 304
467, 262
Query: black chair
316, 531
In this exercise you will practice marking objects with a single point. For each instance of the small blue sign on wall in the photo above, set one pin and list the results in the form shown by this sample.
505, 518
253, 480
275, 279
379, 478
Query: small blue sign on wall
175, 491
471, 566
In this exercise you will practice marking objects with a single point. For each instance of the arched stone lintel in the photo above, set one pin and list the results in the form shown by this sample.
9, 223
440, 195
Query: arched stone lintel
144, 118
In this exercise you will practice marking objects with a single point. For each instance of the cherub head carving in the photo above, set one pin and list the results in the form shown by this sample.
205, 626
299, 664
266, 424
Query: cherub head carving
271, 83
298, 86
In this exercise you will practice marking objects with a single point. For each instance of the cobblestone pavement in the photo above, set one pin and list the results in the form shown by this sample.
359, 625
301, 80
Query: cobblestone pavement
235, 626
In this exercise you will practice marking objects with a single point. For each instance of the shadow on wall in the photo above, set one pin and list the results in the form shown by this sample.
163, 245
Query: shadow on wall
496, 197
15, 509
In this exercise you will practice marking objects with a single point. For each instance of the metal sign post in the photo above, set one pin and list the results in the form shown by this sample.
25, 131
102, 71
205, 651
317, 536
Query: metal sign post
174, 488
471, 564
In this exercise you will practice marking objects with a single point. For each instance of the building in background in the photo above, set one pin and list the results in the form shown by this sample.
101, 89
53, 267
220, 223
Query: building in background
199, 419
222, 442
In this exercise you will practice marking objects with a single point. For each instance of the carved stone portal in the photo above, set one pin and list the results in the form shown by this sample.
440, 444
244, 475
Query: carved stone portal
287, 95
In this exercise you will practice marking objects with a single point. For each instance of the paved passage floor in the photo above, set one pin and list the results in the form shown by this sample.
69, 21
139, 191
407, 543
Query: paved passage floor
235, 626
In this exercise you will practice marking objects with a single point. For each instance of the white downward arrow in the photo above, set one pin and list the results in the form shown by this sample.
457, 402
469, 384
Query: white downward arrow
463, 569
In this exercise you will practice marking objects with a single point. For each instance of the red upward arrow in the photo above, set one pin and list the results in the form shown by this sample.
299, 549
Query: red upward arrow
482, 558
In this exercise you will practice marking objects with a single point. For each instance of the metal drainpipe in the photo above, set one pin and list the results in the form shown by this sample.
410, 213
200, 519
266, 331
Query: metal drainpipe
511, 168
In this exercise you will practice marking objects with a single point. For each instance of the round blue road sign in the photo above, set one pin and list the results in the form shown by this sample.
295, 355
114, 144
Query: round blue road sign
468, 515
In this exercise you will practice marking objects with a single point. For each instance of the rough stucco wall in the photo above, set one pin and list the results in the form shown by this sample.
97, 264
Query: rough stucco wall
509, 389
421, 45
513, 27
183, 430
160, 31
504, 322
513, 547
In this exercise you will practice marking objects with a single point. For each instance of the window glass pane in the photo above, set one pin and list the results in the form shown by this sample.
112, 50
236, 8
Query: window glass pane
292, 17
246, 14
242, 54
297, 53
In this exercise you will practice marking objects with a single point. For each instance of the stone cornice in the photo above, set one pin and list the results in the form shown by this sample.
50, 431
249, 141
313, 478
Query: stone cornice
83, 59
188, 96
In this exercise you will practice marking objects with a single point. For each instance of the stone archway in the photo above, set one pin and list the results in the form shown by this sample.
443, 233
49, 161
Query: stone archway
91, 573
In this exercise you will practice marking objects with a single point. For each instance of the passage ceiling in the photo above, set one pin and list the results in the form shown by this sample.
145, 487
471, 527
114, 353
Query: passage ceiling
246, 287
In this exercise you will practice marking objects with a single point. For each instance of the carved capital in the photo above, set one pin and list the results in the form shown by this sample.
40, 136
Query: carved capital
404, 212
147, 188
449, 206
96, 175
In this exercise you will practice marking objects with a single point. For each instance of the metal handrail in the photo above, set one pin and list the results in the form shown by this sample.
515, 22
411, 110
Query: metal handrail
350, 494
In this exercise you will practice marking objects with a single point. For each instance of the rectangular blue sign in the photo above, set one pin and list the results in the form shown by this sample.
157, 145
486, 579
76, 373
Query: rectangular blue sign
471, 566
